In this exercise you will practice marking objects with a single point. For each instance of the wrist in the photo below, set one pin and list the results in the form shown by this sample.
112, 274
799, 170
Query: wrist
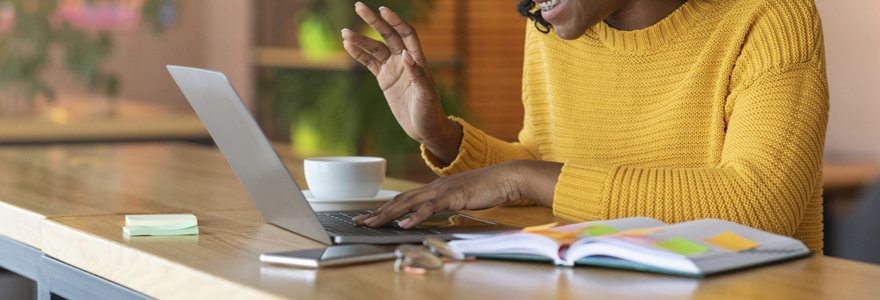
445, 145
535, 180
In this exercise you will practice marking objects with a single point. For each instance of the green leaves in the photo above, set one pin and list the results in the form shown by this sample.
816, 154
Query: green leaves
25, 51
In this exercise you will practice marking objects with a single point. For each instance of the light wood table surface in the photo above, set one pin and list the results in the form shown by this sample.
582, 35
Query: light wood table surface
37, 182
76, 196
222, 262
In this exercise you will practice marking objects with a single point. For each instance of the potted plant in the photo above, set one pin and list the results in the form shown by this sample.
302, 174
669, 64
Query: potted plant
343, 112
31, 29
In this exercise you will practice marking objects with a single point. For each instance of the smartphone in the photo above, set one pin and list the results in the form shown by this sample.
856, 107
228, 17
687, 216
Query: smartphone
338, 255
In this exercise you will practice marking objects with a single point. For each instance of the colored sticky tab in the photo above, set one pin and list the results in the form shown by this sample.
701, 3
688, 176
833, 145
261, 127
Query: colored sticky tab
682, 246
563, 238
642, 231
635, 239
576, 227
733, 242
539, 227
600, 229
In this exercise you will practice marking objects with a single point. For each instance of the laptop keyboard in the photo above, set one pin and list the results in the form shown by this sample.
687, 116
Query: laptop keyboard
340, 223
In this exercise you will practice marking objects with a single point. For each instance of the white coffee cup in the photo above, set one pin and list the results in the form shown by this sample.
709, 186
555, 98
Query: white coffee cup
344, 177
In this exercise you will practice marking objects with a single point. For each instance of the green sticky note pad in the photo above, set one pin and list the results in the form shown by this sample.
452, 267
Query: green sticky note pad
145, 230
682, 246
600, 229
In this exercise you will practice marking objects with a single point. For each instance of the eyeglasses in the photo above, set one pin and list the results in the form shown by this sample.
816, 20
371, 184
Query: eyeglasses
431, 255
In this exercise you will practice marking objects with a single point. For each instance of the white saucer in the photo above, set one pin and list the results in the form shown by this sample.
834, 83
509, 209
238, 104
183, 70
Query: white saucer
349, 203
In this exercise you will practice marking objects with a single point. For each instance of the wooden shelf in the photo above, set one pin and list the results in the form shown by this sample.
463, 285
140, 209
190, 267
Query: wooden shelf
109, 129
76, 119
849, 174
280, 57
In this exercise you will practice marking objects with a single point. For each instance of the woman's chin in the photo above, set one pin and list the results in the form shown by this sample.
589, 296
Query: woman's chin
565, 32
570, 30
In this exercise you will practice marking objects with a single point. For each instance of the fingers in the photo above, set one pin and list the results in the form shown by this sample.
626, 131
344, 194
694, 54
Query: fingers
419, 77
425, 211
359, 219
395, 44
374, 48
401, 205
362, 57
406, 33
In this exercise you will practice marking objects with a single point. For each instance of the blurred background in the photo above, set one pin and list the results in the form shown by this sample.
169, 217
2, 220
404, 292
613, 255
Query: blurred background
78, 71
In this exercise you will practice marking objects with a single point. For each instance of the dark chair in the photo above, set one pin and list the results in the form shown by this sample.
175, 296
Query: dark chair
856, 235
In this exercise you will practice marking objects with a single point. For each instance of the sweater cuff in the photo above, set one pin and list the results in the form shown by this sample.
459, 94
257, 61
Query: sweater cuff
472, 154
582, 191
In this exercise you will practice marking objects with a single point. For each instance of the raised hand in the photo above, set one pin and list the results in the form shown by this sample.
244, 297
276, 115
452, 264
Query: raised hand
403, 74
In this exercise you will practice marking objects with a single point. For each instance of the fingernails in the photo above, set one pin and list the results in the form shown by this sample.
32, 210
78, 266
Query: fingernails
358, 3
358, 217
404, 222
382, 8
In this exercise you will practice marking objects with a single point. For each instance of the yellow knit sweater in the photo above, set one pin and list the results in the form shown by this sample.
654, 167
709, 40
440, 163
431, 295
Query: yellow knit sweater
717, 111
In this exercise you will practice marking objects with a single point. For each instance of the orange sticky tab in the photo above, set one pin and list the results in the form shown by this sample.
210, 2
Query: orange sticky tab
641, 231
540, 227
731, 241
563, 238
557, 235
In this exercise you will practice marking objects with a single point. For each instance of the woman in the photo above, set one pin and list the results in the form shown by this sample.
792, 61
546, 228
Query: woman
671, 109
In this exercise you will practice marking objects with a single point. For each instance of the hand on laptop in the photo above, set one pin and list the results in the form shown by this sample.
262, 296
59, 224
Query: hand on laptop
405, 78
478, 189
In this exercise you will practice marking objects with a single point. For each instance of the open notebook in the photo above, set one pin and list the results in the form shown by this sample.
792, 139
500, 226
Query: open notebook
695, 248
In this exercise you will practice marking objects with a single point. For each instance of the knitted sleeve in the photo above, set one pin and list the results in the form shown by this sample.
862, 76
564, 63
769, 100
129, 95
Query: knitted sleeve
770, 164
477, 150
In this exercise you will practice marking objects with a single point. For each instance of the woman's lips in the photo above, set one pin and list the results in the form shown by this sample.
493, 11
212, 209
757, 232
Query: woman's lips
550, 8
547, 4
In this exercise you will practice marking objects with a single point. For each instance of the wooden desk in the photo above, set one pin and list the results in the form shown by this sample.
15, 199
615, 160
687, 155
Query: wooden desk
76, 196
222, 262
37, 182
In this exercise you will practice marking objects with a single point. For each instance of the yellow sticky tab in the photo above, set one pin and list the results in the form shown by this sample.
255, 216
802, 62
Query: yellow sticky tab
540, 227
733, 242
642, 231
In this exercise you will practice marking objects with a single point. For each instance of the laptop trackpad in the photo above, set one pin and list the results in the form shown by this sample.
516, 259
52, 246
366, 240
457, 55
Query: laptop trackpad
451, 221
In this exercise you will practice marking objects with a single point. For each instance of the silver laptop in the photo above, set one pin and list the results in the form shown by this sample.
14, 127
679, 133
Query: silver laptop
266, 179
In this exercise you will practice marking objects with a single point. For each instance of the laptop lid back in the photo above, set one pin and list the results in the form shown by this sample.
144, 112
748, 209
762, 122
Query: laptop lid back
257, 165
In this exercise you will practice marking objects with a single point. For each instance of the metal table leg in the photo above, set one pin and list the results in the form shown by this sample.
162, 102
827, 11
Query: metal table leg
67, 281
19, 258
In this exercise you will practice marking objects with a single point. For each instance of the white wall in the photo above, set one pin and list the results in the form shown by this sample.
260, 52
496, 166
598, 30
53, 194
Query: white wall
852, 42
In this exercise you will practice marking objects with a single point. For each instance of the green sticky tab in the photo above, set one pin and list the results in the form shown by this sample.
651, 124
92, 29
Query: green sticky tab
600, 229
143, 230
682, 246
